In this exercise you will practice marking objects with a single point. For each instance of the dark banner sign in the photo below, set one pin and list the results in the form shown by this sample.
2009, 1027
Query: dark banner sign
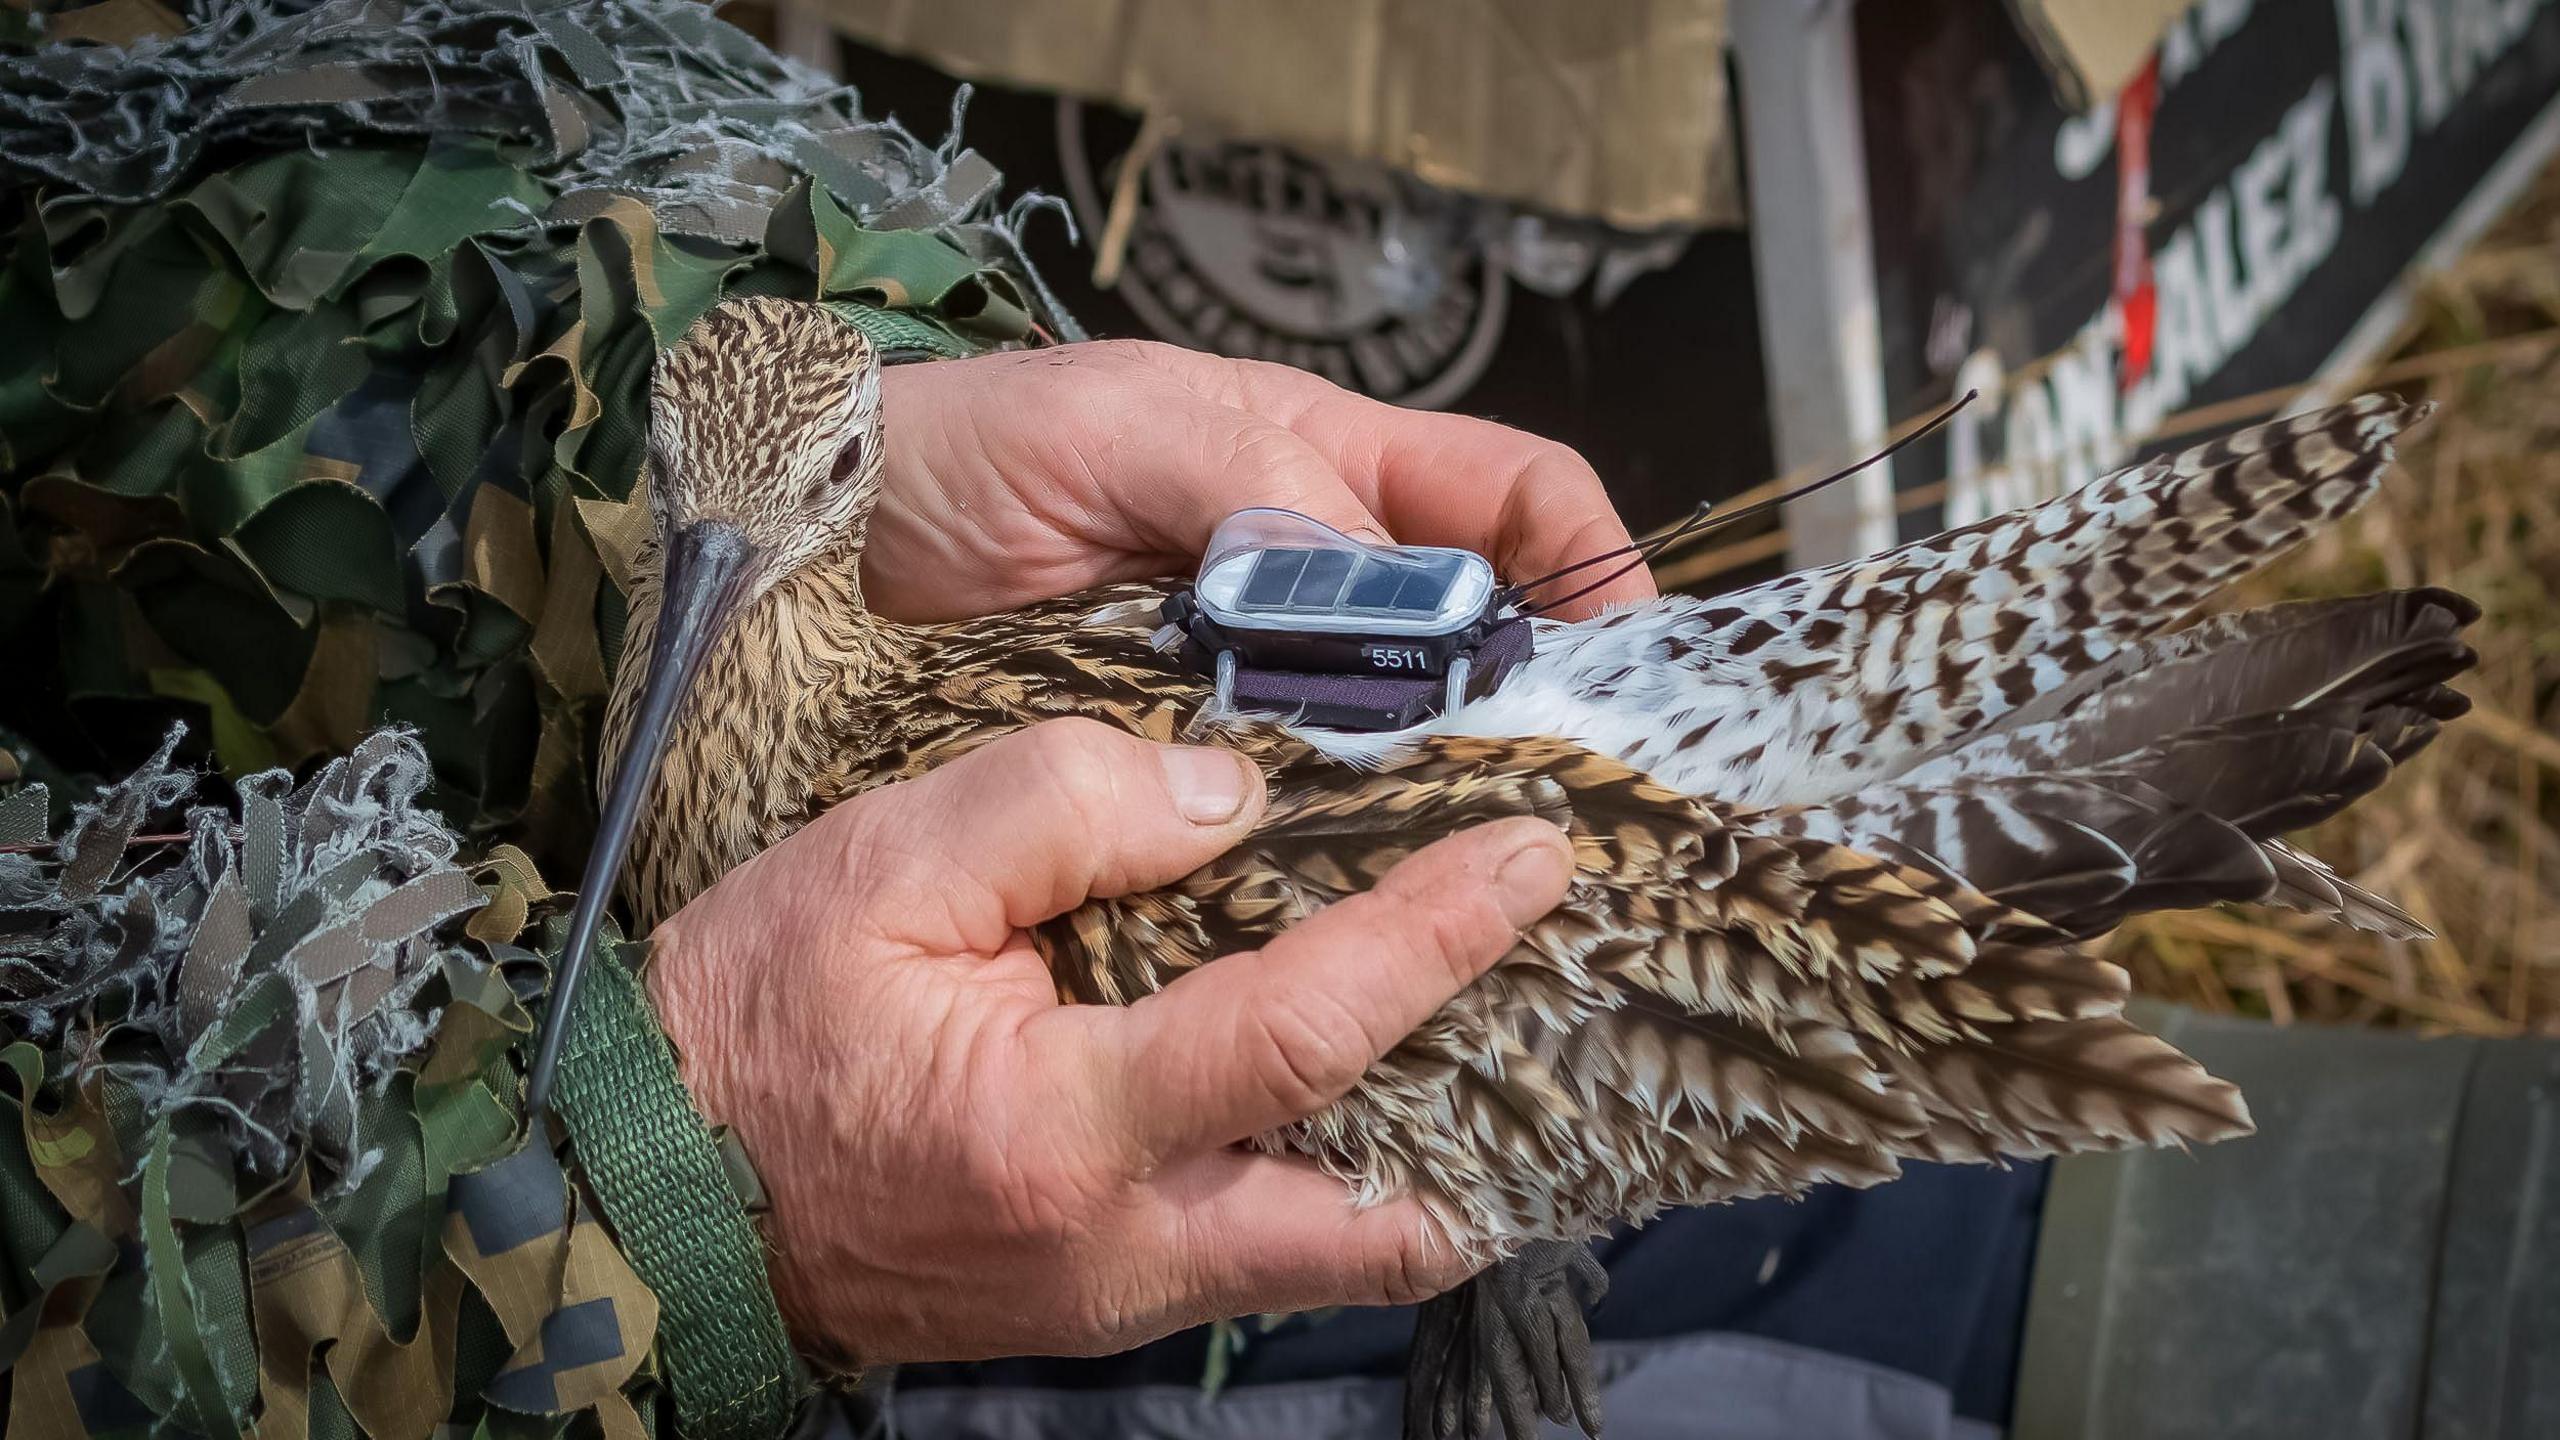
2227, 226
1642, 352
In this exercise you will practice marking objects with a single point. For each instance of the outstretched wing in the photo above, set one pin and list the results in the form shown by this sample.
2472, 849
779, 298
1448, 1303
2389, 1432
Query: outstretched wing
1814, 686
1722, 1008
2163, 778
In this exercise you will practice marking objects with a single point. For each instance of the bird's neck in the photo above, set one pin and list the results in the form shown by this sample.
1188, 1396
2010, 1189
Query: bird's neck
757, 727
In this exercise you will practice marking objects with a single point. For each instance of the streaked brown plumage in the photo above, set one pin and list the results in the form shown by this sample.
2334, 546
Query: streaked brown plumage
1737, 998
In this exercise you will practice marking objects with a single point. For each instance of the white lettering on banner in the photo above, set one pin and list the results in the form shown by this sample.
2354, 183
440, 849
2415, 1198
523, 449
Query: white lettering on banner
2406, 63
2248, 246
2067, 425
2377, 77
2225, 297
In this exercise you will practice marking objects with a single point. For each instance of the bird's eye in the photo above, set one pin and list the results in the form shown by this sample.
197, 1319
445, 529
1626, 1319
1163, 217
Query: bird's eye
848, 463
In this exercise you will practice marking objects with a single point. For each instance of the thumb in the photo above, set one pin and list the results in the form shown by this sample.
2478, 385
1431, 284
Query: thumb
1031, 825
1253, 1042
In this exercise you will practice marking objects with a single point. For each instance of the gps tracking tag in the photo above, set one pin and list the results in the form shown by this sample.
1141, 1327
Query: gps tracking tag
1293, 618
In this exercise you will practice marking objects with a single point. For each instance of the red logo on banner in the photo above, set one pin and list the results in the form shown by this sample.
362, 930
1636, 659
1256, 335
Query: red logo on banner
2136, 299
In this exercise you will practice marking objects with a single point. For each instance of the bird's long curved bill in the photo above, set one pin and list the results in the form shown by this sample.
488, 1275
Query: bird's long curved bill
705, 565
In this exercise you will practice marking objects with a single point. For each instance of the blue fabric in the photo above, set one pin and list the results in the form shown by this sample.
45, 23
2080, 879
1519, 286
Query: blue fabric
1724, 1387
1926, 1276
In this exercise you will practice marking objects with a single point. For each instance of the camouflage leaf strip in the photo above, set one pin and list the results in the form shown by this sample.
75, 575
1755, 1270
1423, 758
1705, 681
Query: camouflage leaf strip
74, 1150
262, 854
413, 908
618, 529
565, 648
335, 701
514, 888
308, 1292
112, 22
592, 1341
214, 955
77, 1261
462, 190
420, 905
580, 1319
165, 1262
500, 556
61, 1390
96, 845
23, 815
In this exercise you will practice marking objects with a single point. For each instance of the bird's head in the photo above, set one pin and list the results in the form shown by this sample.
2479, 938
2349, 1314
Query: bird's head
764, 438
764, 454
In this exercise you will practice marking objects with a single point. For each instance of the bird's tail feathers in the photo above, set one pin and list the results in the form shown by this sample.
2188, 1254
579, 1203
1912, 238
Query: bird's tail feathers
2396, 648
2164, 778
2180, 823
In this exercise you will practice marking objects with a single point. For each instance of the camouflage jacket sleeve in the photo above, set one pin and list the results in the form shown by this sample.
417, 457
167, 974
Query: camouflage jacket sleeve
321, 408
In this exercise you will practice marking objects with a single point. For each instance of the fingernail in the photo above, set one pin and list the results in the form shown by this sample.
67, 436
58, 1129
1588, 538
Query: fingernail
1533, 879
1370, 533
1209, 785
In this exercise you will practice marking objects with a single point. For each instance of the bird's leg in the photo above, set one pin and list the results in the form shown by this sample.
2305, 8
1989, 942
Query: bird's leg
1507, 1347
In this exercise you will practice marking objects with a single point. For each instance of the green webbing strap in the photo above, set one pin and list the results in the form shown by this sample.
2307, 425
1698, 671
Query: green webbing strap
902, 334
657, 1172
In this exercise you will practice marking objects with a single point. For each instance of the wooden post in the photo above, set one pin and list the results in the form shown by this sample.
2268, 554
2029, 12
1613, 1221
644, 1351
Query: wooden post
1810, 244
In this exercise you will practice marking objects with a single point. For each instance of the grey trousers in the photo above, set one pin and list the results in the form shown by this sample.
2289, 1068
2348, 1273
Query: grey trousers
1691, 1387
2380, 1262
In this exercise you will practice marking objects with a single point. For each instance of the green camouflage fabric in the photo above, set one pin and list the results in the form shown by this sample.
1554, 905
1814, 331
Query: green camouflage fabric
267, 1169
329, 331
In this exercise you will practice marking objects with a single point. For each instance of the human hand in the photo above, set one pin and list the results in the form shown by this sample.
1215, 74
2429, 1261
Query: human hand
1019, 477
961, 1166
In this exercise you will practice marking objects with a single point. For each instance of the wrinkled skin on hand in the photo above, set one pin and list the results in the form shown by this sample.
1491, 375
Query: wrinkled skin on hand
1021, 477
960, 1166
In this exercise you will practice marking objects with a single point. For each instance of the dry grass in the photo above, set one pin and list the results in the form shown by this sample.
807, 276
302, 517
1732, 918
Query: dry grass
2468, 836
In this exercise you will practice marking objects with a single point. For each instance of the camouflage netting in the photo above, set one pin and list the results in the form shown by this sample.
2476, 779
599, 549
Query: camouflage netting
329, 329
267, 1158
322, 404
319, 906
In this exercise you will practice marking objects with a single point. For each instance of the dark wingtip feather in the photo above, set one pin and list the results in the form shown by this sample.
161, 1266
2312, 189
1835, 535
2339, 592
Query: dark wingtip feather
2464, 609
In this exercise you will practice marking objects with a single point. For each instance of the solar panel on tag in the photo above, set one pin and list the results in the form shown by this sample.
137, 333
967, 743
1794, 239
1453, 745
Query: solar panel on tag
1374, 588
1320, 588
1323, 581
1275, 574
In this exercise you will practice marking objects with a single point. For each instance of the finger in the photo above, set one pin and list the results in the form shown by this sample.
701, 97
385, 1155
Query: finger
1273, 1233
1029, 826
1254, 1042
1119, 468
1203, 461
1531, 505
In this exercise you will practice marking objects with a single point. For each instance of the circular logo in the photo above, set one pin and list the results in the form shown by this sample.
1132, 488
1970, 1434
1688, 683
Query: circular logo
1252, 250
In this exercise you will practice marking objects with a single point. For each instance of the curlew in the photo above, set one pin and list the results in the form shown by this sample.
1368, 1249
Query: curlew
1840, 837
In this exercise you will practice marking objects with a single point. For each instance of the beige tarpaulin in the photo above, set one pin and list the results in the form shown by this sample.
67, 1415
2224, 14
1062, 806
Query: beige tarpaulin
1610, 109
2094, 46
